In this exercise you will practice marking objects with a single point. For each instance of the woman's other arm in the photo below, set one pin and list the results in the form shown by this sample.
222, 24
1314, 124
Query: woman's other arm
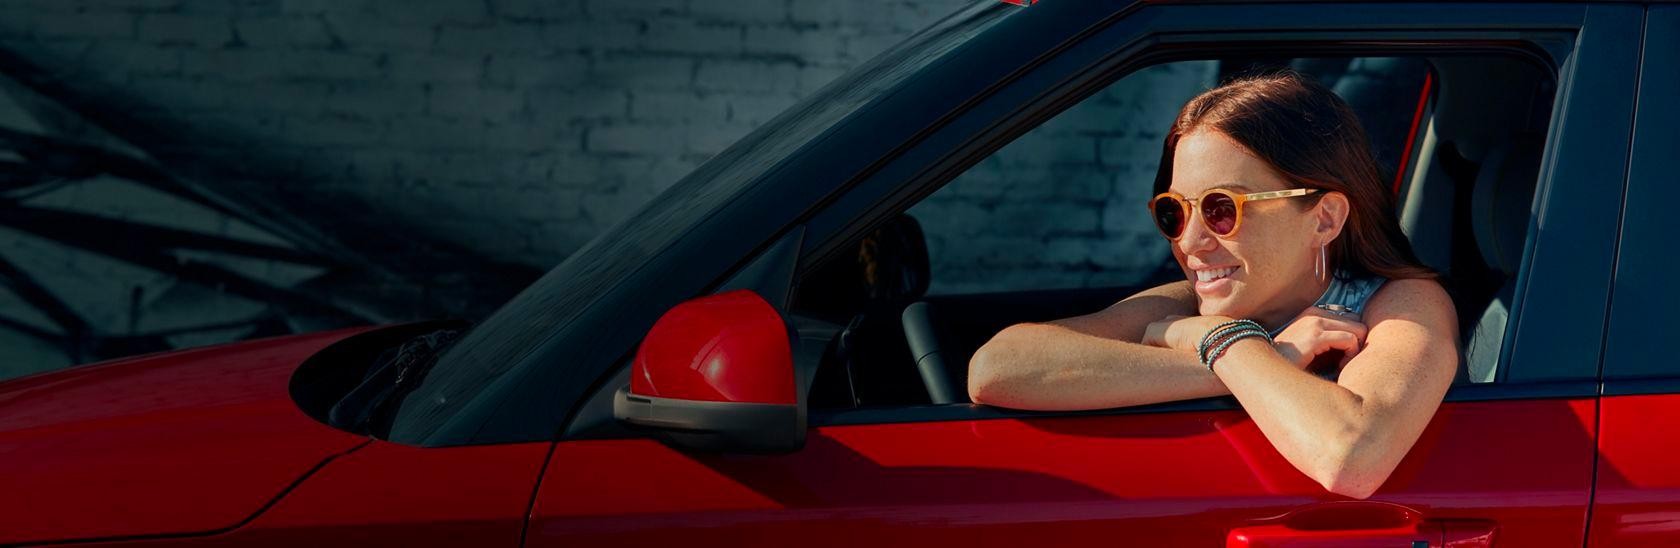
1351, 434
1094, 361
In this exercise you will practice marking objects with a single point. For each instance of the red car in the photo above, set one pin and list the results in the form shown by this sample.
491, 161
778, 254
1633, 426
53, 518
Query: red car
773, 351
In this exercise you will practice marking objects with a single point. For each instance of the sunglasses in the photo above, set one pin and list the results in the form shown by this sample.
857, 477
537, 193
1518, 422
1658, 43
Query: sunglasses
1221, 209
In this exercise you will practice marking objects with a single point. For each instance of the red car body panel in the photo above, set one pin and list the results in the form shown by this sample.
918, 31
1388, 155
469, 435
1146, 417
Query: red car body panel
1521, 468
386, 494
184, 442
1638, 474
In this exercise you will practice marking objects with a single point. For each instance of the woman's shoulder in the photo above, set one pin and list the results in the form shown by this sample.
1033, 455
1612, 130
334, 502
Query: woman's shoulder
1418, 298
1414, 321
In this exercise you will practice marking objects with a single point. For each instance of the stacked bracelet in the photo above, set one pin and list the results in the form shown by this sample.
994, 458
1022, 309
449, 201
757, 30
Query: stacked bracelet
1219, 330
1222, 336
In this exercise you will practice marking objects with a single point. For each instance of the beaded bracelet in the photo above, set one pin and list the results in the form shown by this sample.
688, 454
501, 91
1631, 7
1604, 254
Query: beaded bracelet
1222, 336
1213, 335
1219, 351
1222, 330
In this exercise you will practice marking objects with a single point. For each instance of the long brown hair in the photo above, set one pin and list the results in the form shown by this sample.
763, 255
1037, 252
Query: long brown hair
1311, 136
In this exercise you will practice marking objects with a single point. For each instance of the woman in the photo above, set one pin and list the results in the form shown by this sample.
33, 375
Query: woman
1276, 213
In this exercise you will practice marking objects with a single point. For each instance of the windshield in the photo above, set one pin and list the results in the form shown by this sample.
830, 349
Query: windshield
501, 342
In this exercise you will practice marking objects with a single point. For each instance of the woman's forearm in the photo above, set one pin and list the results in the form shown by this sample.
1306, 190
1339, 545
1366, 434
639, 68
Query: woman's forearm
1319, 426
1051, 368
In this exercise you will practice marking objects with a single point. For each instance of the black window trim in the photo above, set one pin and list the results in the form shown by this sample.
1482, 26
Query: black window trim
1635, 362
970, 411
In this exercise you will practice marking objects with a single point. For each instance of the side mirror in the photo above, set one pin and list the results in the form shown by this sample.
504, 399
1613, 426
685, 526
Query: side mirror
716, 373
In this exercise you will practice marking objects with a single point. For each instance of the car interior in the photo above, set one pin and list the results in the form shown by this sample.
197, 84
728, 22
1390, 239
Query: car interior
1466, 160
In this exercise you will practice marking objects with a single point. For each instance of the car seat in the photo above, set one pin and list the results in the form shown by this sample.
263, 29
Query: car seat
1501, 207
1491, 200
872, 284
1469, 199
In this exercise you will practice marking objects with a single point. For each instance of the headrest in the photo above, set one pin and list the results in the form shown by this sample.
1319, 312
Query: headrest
1502, 201
886, 268
894, 262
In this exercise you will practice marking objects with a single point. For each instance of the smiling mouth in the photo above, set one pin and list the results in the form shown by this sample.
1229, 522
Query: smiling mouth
1215, 274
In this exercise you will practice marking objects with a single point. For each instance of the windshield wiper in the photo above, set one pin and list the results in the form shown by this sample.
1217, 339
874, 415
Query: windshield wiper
393, 375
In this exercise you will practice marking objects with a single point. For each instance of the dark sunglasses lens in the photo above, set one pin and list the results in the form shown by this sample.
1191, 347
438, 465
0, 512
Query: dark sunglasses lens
1220, 212
1169, 217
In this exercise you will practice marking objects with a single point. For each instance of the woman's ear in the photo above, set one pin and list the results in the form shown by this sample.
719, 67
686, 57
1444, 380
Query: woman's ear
1330, 216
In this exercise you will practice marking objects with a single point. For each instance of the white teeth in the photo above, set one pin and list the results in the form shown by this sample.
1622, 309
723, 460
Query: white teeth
1210, 275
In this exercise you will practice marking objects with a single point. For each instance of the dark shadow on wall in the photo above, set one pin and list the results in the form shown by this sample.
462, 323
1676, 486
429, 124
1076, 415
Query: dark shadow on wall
108, 251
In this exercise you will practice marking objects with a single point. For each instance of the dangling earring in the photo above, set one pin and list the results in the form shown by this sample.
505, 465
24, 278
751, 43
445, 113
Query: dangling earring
1318, 269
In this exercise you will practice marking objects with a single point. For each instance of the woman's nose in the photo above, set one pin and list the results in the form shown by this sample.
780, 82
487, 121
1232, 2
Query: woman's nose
1196, 237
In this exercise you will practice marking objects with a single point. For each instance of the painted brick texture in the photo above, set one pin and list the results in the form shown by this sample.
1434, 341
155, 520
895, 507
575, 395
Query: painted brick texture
410, 105
515, 130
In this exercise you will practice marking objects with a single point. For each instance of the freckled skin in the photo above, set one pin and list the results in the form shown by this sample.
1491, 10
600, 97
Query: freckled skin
1276, 246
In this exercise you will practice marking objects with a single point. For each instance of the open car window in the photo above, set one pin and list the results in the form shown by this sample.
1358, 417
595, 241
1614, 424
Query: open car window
1054, 224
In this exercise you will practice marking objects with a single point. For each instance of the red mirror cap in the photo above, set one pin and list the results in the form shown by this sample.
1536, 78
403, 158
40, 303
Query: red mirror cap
728, 347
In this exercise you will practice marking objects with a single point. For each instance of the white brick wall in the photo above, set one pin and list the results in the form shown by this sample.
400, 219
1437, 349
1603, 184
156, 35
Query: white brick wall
515, 130
351, 100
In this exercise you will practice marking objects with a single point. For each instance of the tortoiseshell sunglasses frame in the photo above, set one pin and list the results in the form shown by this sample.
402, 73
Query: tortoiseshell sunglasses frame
1185, 205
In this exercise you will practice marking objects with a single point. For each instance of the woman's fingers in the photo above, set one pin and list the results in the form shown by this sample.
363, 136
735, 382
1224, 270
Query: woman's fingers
1165, 331
1307, 339
1155, 334
1347, 342
1316, 331
1329, 321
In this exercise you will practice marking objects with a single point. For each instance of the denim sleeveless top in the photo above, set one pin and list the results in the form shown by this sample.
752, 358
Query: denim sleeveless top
1346, 290
1350, 292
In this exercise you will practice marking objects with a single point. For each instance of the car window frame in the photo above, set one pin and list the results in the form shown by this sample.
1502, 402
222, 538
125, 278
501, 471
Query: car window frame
1582, 44
1633, 365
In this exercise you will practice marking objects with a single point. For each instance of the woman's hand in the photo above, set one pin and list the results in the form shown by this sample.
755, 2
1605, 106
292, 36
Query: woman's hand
1314, 332
1317, 331
1180, 332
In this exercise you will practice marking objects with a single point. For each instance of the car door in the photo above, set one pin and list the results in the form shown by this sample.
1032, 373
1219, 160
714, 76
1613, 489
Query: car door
1637, 500
1510, 461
